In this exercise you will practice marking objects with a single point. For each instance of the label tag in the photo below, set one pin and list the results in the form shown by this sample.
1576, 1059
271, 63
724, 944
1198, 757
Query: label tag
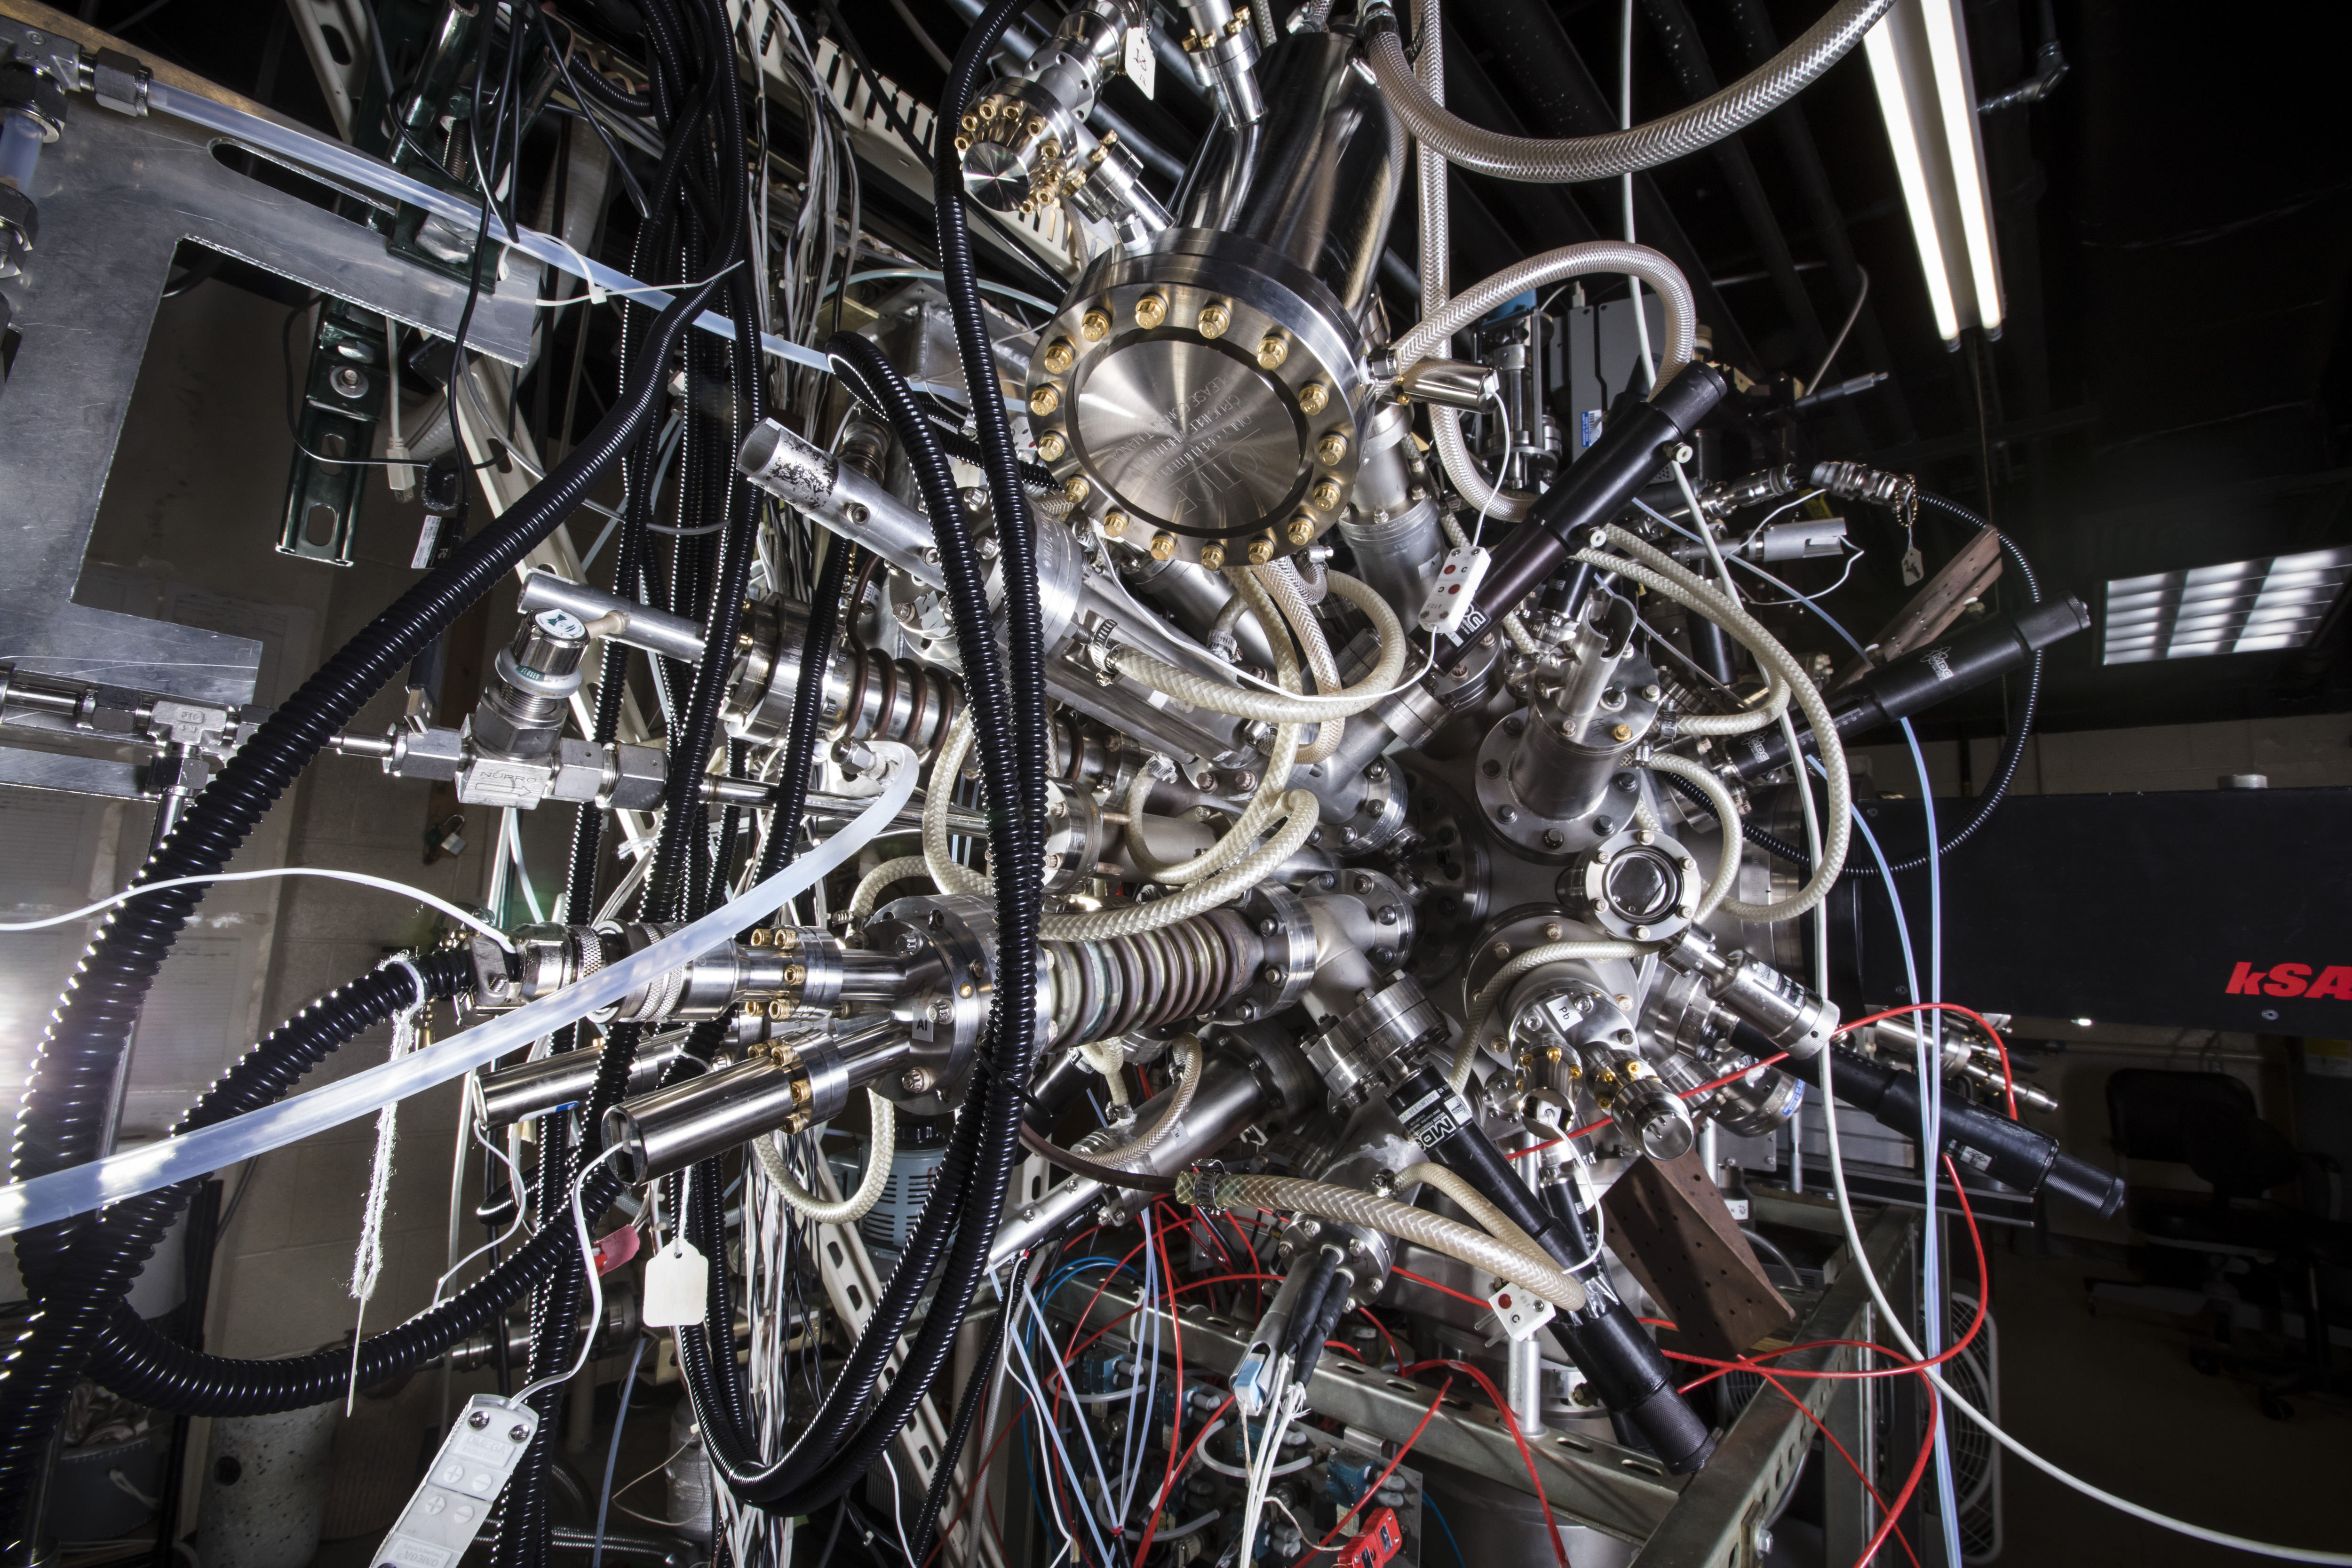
1564, 1014
617, 1248
1520, 1312
1915, 566
1457, 587
461, 1484
1142, 66
676, 1287
426, 538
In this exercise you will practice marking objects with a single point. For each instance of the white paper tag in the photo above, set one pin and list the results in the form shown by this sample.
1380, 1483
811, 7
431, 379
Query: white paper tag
1142, 66
427, 537
1915, 566
1519, 1311
677, 1288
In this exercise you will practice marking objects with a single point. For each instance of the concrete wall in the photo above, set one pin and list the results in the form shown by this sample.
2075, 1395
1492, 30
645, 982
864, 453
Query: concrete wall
2296, 753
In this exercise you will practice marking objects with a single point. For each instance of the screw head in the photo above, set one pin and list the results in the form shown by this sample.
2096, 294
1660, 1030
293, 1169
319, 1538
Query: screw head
1272, 351
1502, 949
1215, 318
857, 512
1271, 975
518, 1432
479, 1419
1076, 489
1050, 445
1094, 326
1621, 734
1604, 826
1301, 530
1044, 401
1163, 546
1150, 310
1060, 356
1553, 838
1331, 449
1325, 495
1113, 523
1506, 814
1313, 398
349, 380
1492, 768
915, 1080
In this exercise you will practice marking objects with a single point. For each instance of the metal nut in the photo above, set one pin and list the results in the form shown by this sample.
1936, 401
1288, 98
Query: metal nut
1621, 734
1074, 489
1331, 449
1044, 401
1150, 310
1302, 530
1214, 319
1261, 551
1060, 356
1313, 398
1272, 351
1113, 523
1163, 546
1325, 495
1094, 326
1212, 556
1050, 445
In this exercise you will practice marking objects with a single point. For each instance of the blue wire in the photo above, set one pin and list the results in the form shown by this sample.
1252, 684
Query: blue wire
613, 1454
1429, 1506
1931, 1077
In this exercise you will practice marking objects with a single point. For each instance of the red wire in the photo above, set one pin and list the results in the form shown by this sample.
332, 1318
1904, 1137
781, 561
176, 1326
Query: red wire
1503, 1408
1378, 1481
2008, 1078
1336, 1346
1176, 1430
1404, 1273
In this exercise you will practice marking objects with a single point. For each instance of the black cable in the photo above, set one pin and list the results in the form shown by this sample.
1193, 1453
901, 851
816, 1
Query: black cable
2004, 770
967, 1411
562, 58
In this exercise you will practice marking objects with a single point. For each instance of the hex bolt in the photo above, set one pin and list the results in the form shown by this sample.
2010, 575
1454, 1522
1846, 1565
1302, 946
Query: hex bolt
1094, 326
1163, 546
1272, 351
1212, 556
1331, 449
1302, 528
1060, 356
1150, 310
1313, 398
1044, 401
1215, 318
1050, 445
1075, 490
1113, 523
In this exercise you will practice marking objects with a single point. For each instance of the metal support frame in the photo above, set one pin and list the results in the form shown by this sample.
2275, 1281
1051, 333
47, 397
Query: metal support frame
1715, 1518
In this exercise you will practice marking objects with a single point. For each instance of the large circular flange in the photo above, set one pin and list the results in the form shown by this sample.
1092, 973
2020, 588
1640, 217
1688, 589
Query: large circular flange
1280, 918
1543, 838
1202, 400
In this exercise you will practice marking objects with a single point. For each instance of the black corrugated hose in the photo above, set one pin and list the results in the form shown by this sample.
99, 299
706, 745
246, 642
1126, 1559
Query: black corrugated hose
2004, 770
71, 1083
967, 1411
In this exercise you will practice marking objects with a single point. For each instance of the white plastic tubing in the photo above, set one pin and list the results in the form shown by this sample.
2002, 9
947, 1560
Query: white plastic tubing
1532, 1269
1541, 161
853, 1209
1442, 317
44, 1200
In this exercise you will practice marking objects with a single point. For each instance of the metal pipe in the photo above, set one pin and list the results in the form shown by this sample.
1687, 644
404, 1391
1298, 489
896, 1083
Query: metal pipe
530, 1090
610, 615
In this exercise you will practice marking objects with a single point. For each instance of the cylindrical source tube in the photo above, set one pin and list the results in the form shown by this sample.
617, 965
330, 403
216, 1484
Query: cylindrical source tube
2008, 1152
554, 1083
1523, 1383
640, 626
1782, 1009
1397, 554
1228, 1099
1600, 485
1999, 646
1600, 1334
664, 1131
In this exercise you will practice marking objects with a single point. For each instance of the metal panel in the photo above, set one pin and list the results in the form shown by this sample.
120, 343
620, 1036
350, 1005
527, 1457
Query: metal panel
1724, 1511
1612, 1489
117, 196
75, 775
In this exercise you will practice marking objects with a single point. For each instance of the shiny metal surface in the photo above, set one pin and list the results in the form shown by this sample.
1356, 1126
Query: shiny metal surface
117, 196
1316, 179
1192, 435
640, 626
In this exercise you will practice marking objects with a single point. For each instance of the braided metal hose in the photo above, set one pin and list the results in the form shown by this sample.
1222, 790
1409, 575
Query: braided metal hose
1543, 161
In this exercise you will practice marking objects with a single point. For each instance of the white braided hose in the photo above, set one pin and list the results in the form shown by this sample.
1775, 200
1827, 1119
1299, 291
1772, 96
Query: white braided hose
1130, 1155
855, 1207
1471, 1202
1547, 160
1281, 585
1726, 865
1274, 707
1474, 1021
1662, 574
1531, 1269
905, 868
1099, 925
1264, 806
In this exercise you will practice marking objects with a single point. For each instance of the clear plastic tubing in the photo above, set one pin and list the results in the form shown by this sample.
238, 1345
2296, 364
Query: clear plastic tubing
44, 1200
21, 136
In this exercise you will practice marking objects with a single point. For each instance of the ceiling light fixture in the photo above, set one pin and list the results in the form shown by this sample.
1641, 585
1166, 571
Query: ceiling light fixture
2261, 606
1919, 56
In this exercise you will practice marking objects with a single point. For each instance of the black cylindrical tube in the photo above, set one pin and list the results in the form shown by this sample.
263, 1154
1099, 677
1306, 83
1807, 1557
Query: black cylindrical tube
1602, 1339
2008, 1152
1995, 647
1600, 485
